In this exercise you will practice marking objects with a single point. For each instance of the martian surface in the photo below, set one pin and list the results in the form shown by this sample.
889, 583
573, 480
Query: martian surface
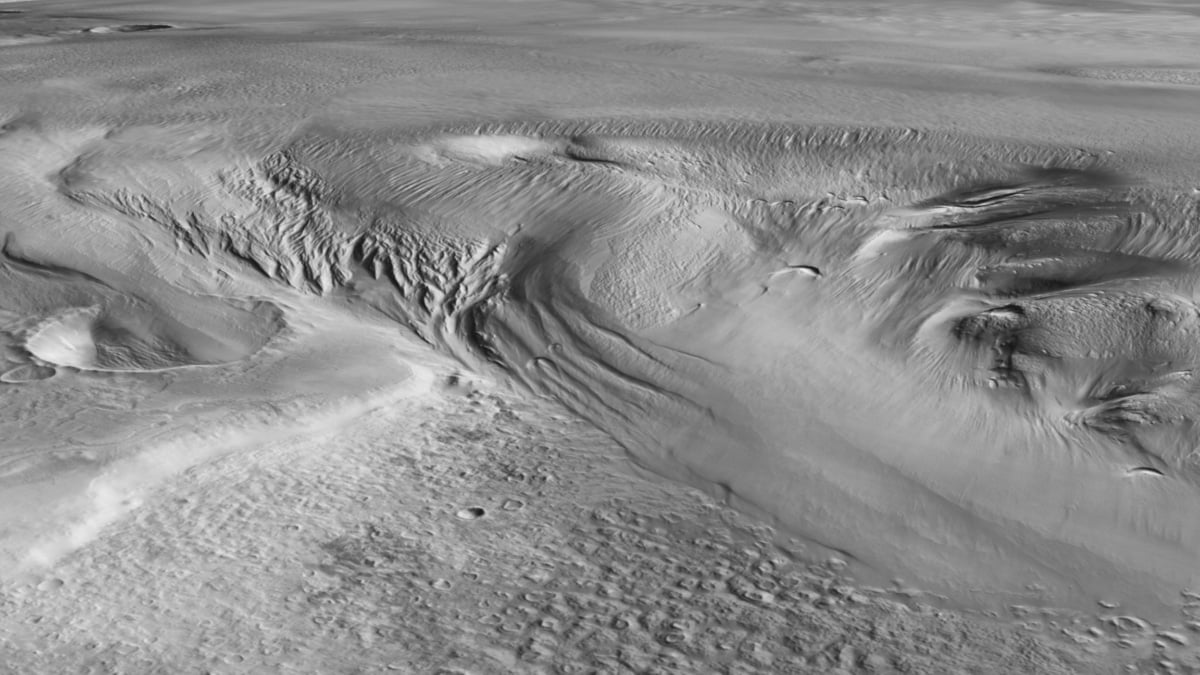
599, 336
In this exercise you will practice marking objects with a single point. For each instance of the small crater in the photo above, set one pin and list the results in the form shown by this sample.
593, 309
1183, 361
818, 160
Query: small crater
672, 638
51, 584
512, 505
129, 28
807, 270
441, 584
471, 513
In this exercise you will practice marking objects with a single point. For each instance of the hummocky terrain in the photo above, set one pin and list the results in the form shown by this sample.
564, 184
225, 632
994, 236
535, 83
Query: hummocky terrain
599, 337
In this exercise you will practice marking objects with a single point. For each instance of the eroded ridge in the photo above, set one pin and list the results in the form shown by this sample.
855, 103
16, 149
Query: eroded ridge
1050, 286
731, 301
